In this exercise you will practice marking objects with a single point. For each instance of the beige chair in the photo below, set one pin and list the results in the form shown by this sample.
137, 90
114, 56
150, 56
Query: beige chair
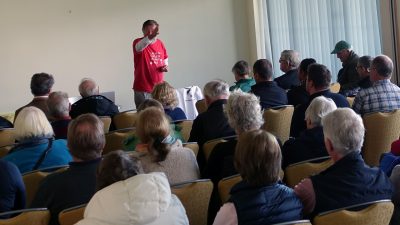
296, 172
195, 197
335, 88
225, 185
193, 146
186, 127
201, 106
5, 149
7, 136
8, 116
381, 129
107, 123
350, 100
208, 147
71, 215
32, 180
125, 119
377, 213
34, 216
277, 121
115, 139
295, 222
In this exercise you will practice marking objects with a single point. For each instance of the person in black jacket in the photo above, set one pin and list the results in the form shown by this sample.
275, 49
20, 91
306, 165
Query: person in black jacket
288, 62
298, 94
310, 144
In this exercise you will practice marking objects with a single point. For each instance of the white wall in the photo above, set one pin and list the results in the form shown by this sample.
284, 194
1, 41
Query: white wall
72, 39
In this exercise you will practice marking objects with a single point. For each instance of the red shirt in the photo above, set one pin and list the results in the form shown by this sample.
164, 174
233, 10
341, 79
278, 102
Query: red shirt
147, 65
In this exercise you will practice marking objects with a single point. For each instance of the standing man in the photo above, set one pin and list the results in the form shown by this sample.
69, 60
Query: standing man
348, 77
150, 61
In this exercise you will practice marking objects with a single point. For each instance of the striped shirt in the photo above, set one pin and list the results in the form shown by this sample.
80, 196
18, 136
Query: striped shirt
383, 96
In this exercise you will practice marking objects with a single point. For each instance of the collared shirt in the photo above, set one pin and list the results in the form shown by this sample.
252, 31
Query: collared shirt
383, 96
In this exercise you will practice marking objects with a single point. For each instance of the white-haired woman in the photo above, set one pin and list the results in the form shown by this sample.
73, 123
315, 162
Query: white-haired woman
310, 144
36, 148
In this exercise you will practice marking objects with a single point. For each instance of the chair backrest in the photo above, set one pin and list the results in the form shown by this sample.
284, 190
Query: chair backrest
381, 129
208, 147
277, 121
34, 216
115, 139
377, 213
296, 172
107, 123
350, 100
71, 215
5, 149
193, 146
225, 185
186, 127
125, 119
32, 180
195, 197
201, 106
7, 136
295, 222
335, 88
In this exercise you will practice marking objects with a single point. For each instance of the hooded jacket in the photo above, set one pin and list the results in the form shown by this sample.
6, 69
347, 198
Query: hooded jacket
142, 199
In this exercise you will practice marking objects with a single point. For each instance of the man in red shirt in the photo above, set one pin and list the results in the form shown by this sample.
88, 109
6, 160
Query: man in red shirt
150, 61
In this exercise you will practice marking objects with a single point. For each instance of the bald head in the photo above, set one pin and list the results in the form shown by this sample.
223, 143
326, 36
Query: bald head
88, 87
381, 67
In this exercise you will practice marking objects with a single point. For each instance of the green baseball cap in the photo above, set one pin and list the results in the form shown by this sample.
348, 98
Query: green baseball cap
341, 45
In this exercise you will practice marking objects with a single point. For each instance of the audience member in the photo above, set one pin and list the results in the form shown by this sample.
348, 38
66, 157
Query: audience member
364, 71
241, 72
141, 199
317, 84
4, 123
390, 159
395, 179
59, 109
383, 96
298, 95
12, 188
349, 180
268, 91
212, 123
159, 151
310, 144
41, 84
259, 198
92, 102
347, 77
77, 184
289, 61
36, 148
166, 94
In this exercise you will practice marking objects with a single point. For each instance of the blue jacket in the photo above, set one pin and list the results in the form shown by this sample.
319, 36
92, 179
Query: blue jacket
270, 94
271, 204
348, 182
26, 154
12, 189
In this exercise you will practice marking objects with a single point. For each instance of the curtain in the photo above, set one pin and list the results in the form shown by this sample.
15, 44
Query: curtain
313, 27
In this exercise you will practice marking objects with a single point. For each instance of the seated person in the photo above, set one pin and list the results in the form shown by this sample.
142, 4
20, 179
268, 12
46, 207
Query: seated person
161, 152
349, 180
166, 95
36, 148
395, 178
12, 188
92, 102
270, 94
259, 196
4, 123
77, 184
390, 159
241, 72
298, 94
364, 71
59, 106
41, 84
310, 144
288, 63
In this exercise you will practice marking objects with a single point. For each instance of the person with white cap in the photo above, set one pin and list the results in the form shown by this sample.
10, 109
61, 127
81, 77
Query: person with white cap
348, 77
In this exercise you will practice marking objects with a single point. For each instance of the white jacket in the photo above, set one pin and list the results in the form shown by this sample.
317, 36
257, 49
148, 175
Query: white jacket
142, 199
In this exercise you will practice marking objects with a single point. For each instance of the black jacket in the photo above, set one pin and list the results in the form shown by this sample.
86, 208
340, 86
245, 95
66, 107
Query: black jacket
270, 94
97, 104
289, 79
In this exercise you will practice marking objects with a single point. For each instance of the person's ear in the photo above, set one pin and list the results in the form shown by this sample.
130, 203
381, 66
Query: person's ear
328, 145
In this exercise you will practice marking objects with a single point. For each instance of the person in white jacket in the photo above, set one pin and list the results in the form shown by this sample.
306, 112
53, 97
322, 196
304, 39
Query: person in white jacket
138, 200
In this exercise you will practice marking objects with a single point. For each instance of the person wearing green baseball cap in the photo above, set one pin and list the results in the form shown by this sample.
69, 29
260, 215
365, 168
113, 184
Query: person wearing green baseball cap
348, 77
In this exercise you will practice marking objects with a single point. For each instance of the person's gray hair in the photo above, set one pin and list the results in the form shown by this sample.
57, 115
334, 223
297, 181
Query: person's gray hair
88, 87
31, 122
58, 104
243, 111
292, 56
318, 108
216, 89
345, 129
